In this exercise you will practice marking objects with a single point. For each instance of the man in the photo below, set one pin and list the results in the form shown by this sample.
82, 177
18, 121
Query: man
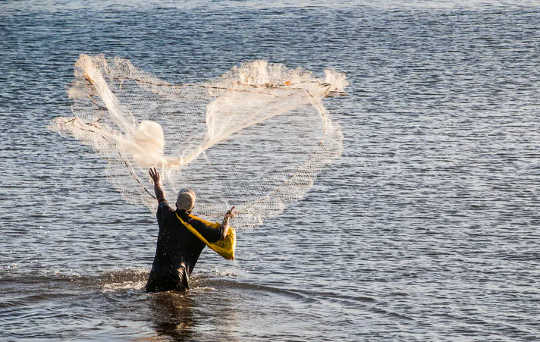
181, 239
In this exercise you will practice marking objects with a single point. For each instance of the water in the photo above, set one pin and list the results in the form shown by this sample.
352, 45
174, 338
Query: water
426, 228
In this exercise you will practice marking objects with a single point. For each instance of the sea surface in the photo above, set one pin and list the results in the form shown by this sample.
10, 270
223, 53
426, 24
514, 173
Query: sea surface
426, 229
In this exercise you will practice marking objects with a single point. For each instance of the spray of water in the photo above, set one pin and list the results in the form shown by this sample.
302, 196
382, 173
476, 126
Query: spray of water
256, 137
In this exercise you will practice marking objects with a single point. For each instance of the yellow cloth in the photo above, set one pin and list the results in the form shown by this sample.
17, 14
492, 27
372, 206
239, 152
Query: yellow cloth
224, 247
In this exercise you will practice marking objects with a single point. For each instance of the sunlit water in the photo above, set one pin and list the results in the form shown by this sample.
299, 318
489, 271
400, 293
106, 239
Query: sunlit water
426, 228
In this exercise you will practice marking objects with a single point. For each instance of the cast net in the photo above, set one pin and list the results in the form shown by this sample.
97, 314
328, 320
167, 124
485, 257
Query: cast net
256, 137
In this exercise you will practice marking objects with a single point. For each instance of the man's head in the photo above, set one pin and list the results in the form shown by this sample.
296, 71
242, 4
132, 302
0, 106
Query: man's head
185, 200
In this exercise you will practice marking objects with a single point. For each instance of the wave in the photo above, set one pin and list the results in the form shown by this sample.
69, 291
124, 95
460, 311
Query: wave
24, 288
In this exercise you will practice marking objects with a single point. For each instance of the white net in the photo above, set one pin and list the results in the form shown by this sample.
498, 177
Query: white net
256, 137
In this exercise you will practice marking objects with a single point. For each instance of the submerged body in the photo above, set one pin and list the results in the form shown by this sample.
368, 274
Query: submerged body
178, 249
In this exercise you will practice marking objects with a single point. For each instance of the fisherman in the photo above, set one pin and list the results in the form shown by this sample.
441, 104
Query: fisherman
181, 239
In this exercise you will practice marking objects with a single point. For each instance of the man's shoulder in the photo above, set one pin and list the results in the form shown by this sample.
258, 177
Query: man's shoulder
164, 203
164, 209
203, 221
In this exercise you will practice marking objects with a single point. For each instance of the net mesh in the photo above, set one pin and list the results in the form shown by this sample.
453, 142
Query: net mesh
256, 137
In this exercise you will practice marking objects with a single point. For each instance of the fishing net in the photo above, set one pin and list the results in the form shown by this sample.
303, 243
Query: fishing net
256, 137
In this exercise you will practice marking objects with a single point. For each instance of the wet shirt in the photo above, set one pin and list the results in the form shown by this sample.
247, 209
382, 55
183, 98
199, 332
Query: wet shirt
177, 246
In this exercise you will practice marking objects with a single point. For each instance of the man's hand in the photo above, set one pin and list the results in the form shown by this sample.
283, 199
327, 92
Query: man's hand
230, 214
154, 174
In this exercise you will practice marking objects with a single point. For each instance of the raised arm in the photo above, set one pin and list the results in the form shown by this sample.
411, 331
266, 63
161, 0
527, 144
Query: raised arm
211, 231
154, 174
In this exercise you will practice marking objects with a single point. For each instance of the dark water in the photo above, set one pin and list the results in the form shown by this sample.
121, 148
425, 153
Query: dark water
426, 228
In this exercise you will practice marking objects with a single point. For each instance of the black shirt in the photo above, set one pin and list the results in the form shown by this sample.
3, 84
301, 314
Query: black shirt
177, 248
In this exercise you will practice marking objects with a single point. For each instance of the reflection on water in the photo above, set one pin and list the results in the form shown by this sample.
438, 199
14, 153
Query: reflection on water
172, 315
206, 312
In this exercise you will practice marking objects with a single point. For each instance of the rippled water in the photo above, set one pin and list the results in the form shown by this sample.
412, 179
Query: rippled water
426, 229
